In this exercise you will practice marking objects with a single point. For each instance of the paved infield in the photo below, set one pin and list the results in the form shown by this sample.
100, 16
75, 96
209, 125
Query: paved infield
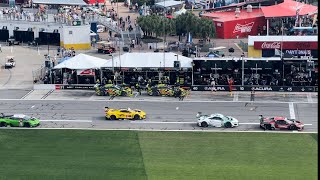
160, 115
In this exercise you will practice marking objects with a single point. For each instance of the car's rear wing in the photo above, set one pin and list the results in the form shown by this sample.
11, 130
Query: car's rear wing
261, 118
199, 114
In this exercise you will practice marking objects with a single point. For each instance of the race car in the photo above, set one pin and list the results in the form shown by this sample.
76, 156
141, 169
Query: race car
165, 90
124, 113
112, 90
278, 122
216, 120
18, 120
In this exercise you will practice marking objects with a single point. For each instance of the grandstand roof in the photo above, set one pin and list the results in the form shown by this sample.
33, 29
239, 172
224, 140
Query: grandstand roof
230, 15
288, 9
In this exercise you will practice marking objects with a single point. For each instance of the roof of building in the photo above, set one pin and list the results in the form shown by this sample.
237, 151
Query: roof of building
252, 39
288, 9
230, 15
149, 59
170, 3
60, 2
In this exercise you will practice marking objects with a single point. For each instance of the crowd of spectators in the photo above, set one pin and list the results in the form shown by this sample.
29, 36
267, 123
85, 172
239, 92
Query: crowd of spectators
289, 24
20, 14
299, 78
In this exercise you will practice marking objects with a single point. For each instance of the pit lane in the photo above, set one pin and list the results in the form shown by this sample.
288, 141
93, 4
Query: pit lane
160, 115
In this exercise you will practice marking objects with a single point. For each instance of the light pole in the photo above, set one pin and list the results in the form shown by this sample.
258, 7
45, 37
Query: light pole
112, 63
242, 75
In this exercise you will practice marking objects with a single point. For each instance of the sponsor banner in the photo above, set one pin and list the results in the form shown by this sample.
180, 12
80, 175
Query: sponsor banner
298, 53
243, 28
285, 45
75, 86
258, 88
86, 72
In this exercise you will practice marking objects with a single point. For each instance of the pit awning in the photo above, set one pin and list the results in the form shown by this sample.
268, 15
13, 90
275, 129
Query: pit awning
288, 9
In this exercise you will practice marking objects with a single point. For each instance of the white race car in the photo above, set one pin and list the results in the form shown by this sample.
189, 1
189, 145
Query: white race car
216, 120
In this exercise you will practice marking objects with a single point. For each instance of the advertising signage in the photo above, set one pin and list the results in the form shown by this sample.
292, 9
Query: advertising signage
290, 45
258, 88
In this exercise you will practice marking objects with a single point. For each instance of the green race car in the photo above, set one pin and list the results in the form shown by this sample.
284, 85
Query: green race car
111, 89
165, 90
18, 120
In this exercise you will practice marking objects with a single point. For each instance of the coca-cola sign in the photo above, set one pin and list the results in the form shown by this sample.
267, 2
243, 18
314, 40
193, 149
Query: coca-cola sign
286, 45
271, 45
243, 28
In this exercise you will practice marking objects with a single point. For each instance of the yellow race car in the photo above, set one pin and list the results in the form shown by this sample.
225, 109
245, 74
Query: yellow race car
124, 113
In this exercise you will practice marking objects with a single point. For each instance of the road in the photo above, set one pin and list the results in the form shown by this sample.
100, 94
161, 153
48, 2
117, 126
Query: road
160, 115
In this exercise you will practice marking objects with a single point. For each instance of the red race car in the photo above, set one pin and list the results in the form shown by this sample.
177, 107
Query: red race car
277, 122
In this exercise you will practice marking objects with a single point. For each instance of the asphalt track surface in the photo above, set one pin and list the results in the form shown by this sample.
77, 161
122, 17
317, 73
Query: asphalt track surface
160, 115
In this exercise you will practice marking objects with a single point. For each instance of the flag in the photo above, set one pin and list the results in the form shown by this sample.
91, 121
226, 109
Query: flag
189, 40
297, 18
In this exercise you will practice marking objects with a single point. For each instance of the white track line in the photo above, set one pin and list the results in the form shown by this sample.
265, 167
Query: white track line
27, 94
161, 122
179, 122
236, 96
291, 110
65, 120
205, 131
309, 97
157, 100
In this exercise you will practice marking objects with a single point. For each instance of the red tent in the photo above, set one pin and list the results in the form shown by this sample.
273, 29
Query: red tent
288, 9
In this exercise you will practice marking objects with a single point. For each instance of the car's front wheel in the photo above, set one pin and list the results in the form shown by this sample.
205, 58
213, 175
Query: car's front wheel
26, 125
204, 124
136, 117
293, 127
113, 117
3, 124
228, 125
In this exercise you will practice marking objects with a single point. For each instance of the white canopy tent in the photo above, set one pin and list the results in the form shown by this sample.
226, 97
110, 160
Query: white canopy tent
82, 61
167, 4
149, 60
181, 11
61, 2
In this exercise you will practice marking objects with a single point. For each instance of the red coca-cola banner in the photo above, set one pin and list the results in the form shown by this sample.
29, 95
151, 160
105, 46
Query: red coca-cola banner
285, 45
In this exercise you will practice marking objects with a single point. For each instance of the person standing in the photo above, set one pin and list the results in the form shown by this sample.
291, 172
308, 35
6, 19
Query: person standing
138, 88
213, 84
252, 96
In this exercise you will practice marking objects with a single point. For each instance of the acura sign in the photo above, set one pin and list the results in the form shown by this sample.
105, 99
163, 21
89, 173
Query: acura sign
257, 88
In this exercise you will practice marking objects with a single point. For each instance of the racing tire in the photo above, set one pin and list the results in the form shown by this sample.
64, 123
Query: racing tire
293, 127
267, 127
113, 117
228, 125
3, 124
26, 125
136, 117
204, 124
123, 93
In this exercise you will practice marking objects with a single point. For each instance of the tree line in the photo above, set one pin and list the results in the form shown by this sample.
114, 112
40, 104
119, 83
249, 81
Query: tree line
155, 25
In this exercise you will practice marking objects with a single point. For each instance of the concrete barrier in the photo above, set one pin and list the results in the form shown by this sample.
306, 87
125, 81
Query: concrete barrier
44, 86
